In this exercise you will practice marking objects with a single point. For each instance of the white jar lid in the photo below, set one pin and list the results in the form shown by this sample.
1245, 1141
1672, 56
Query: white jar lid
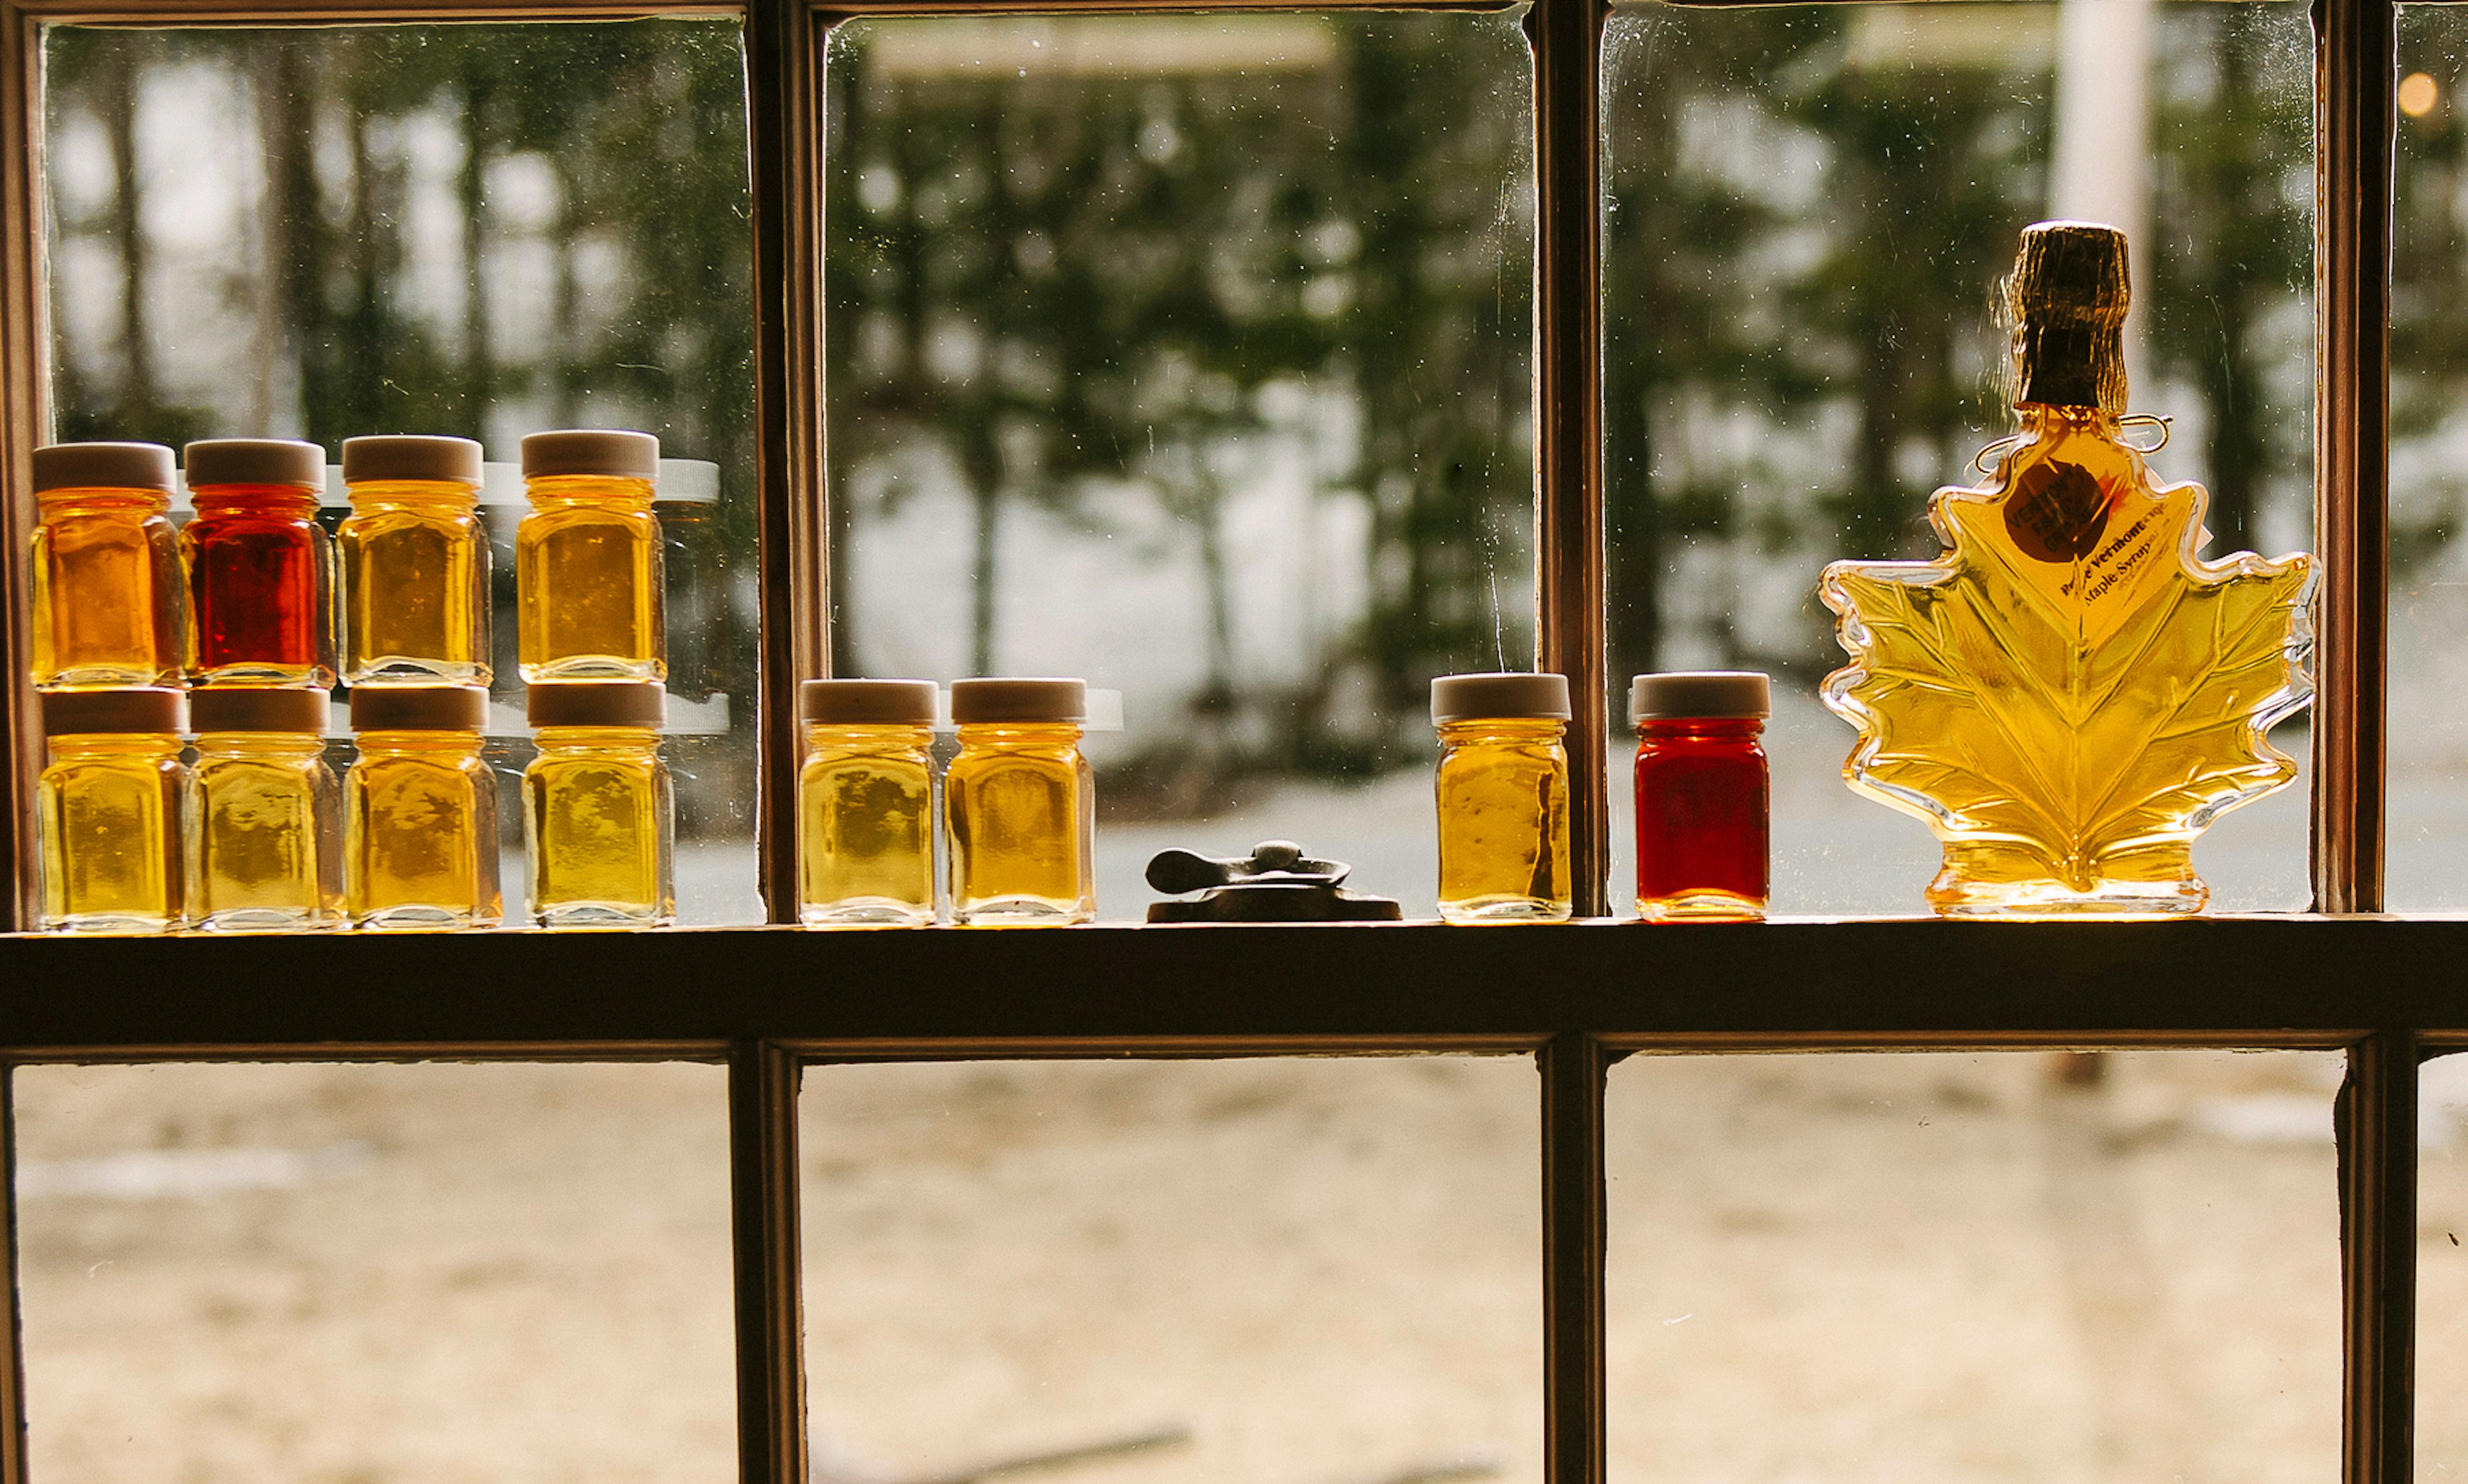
258, 707
418, 708
1699, 692
1008, 699
118, 711
597, 703
254, 460
864, 702
622, 455
411, 456
102, 467
1500, 695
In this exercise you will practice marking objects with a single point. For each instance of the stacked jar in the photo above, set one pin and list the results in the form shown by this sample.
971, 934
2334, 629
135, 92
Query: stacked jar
105, 645
598, 810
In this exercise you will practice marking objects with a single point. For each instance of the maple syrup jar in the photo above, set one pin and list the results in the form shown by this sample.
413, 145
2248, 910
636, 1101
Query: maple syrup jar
1503, 797
260, 567
1702, 794
2072, 692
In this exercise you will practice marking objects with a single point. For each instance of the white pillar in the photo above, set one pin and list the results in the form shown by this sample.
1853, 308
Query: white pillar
2099, 167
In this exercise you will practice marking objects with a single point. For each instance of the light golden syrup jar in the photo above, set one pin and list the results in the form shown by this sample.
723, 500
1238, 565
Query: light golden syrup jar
106, 567
108, 807
265, 813
420, 811
598, 816
865, 803
1503, 797
587, 559
1019, 805
415, 560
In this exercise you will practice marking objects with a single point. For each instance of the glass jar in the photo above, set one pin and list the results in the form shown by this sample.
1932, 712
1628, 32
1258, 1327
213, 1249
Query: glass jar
1503, 797
1019, 805
597, 812
865, 801
264, 812
587, 568
106, 567
108, 809
415, 562
420, 811
1703, 792
260, 567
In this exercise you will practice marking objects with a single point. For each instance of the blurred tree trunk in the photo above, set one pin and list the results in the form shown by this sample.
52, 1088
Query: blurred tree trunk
471, 196
291, 263
113, 80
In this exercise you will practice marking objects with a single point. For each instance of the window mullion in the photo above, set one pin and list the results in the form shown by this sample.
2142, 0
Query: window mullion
2377, 1133
763, 1081
2355, 114
1575, 1431
782, 44
1569, 618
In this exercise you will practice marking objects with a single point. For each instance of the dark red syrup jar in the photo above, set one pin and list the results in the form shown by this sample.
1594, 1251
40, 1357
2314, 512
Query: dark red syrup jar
1703, 792
258, 564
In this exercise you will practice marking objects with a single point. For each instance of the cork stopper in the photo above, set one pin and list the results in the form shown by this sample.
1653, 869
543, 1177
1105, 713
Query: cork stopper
1686, 694
254, 460
103, 466
640, 703
625, 455
411, 456
867, 702
1499, 696
257, 708
133, 709
993, 699
419, 708
2067, 301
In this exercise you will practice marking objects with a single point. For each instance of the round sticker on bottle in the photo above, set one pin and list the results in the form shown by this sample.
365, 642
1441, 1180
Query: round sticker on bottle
2056, 513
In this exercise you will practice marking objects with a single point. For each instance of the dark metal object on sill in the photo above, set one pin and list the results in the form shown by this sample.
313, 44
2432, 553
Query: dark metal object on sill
1275, 883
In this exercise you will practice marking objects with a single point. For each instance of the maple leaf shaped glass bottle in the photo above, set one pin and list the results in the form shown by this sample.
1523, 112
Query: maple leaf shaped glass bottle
2069, 694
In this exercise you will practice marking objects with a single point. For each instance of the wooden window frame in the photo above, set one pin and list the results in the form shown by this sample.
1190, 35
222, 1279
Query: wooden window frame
769, 1001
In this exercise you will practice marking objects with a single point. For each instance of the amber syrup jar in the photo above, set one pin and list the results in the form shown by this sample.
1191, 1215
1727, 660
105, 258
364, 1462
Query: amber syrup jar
415, 562
1019, 805
106, 567
265, 813
259, 568
108, 809
598, 814
1503, 797
587, 559
420, 811
865, 803
1703, 791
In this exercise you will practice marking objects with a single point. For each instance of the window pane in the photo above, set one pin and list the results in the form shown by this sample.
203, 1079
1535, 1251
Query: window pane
2442, 1267
2427, 805
1191, 354
1271, 1272
1808, 208
2035, 1268
479, 230
306, 1274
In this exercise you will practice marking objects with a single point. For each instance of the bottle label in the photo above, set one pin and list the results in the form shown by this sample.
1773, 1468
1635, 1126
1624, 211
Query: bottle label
2085, 552
2057, 513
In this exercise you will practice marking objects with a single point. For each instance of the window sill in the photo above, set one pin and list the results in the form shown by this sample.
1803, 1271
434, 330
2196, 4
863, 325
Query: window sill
2285, 980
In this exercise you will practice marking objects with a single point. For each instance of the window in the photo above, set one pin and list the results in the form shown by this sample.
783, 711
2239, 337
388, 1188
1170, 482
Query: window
1575, 999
